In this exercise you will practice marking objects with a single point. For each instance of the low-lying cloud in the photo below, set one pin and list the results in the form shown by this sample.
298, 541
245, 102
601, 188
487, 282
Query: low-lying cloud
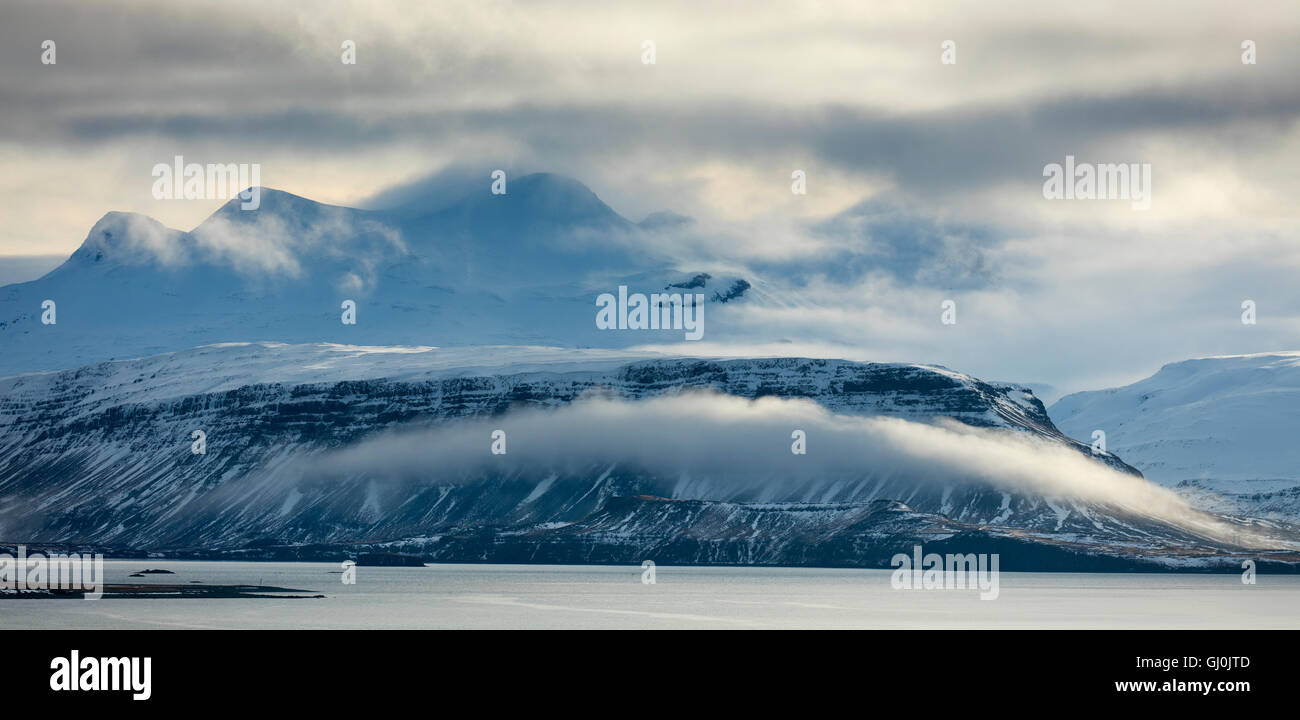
740, 444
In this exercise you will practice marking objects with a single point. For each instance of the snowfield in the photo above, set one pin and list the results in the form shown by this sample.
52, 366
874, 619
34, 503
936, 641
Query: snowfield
1222, 430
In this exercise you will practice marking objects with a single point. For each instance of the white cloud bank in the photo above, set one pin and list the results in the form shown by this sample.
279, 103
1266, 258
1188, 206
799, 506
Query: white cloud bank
739, 443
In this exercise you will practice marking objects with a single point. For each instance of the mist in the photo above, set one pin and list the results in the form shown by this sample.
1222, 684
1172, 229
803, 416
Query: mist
746, 445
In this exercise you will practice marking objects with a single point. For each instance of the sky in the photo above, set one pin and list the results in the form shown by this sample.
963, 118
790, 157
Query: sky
924, 179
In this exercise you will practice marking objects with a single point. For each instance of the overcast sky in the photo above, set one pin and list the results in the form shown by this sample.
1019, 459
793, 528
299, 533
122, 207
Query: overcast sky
1076, 294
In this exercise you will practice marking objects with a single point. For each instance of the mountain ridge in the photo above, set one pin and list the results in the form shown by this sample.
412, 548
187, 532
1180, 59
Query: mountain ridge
519, 268
116, 469
1217, 428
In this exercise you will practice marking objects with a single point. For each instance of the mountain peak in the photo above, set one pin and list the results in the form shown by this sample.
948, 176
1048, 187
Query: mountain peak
1223, 419
539, 198
124, 236
270, 201
552, 182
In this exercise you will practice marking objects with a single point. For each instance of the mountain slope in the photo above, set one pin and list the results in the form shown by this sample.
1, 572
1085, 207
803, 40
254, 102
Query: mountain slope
102, 455
1220, 429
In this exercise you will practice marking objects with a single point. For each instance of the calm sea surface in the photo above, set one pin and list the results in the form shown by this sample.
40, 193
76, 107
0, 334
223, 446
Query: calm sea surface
553, 596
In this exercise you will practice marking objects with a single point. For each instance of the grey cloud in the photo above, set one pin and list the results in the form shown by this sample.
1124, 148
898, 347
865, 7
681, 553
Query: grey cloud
234, 75
936, 152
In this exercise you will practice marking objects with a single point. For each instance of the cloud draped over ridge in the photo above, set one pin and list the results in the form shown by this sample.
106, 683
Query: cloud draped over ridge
742, 444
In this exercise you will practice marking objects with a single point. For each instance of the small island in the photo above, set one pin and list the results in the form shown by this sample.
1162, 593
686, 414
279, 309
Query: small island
191, 591
388, 560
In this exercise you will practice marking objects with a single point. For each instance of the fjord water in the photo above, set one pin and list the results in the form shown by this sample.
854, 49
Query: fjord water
567, 596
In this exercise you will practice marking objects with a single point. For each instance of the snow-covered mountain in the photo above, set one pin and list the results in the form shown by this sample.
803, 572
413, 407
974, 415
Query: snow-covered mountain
1222, 430
520, 268
484, 307
102, 455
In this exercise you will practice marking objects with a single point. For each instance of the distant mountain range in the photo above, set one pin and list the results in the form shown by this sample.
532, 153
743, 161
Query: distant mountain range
1221, 430
519, 268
